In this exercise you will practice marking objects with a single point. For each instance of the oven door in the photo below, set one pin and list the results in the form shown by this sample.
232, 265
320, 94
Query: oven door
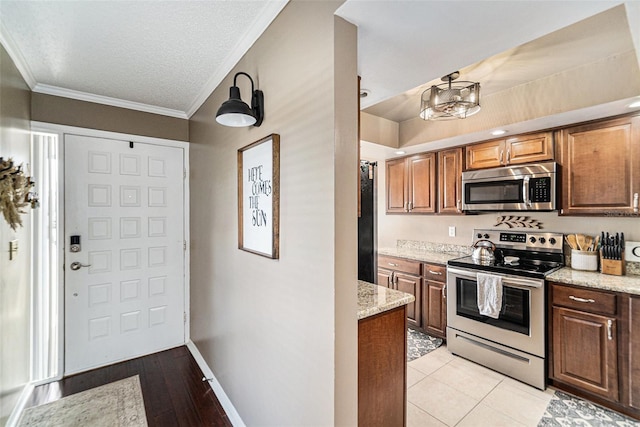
521, 321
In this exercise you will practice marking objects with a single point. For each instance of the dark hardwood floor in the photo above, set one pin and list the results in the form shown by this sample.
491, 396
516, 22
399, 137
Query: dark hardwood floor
172, 387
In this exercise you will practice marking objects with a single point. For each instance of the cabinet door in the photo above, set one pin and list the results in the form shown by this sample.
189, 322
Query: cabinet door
396, 176
529, 148
412, 285
422, 183
384, 277
450, 181
600, 163
634, 352
585, 351
434, 310
485, 155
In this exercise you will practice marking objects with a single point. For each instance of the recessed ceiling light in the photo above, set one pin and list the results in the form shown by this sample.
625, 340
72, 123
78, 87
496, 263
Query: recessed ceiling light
498, 132
635, 104
400, 152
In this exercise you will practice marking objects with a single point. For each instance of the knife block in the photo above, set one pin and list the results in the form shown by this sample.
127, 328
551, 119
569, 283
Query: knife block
614, 267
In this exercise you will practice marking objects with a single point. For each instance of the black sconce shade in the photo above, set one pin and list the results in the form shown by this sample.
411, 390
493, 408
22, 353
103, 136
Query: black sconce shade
236, 113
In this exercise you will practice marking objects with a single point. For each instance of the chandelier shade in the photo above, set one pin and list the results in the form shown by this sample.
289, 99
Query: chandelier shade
450, 100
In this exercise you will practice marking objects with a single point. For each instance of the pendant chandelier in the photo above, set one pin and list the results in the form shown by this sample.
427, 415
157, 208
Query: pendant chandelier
450, 100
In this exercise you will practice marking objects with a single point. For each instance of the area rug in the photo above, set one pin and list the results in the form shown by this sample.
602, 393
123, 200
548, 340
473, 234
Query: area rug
419, 344
118, 403
565, 410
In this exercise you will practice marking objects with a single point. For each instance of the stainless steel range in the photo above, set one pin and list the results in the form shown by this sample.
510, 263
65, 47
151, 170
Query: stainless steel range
512, 339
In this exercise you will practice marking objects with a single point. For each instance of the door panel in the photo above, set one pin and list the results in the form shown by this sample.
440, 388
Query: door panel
127, 206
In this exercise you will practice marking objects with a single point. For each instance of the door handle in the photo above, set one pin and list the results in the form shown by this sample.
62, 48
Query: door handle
609, 330
78, 265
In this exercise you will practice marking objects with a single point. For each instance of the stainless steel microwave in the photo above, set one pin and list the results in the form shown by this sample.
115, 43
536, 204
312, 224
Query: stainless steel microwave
512, 188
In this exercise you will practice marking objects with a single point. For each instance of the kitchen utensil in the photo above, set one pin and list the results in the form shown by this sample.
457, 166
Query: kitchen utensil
581, 241
571, 241
483, 251
588, 242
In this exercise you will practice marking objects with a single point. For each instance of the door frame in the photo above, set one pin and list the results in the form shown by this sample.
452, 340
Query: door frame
61, 131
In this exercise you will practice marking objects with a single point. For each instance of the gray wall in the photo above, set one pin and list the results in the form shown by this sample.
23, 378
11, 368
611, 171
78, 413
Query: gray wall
281, 335
15, 297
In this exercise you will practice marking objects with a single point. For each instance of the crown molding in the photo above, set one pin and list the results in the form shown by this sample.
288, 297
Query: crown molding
263, 21
16, 56
105, 100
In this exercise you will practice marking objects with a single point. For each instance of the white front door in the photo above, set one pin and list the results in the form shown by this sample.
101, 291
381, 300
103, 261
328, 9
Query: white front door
126, 297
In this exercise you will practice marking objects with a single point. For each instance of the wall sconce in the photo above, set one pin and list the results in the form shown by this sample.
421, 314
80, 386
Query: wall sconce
236, 113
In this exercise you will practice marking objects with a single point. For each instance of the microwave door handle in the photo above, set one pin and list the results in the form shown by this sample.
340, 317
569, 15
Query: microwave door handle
525, 191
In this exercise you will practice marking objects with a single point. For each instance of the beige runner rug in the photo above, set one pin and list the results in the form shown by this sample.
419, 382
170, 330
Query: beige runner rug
118, 403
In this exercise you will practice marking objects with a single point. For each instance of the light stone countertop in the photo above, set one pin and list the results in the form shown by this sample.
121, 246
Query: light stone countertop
593, 279
421, 255
374, 299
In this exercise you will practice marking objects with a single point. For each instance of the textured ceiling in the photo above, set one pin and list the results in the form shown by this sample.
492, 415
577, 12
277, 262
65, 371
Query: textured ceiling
166, 54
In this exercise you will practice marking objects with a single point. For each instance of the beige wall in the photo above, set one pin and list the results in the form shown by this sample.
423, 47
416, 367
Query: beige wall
604, 81
72, 112
278, 333
434, 228
14, 275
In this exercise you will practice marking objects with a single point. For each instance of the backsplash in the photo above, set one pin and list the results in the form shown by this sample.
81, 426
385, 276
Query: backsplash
434, 247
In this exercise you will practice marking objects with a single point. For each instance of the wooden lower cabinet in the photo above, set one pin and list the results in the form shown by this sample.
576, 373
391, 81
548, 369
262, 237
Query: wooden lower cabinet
382, 369
633, 393
585, 351
594, 345
410, 284
403, 275
434, 300
434, 313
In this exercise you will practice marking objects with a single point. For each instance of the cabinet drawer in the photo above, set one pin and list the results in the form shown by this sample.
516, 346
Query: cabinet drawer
437, 273
399, 264
584, 299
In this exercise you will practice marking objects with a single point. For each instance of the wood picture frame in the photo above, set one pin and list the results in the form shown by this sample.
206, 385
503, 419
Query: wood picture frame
259, 197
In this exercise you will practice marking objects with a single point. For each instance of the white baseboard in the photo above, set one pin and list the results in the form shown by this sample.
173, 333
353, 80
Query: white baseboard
13, 419
228, 407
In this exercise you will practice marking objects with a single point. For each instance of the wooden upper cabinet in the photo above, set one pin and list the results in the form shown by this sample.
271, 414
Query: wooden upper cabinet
600, 164
396, 175
485, 155
450, 181
411, 184
537, 147
422, 183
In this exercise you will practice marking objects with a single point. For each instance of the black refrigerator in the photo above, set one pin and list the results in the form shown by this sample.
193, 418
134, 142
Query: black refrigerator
367, 223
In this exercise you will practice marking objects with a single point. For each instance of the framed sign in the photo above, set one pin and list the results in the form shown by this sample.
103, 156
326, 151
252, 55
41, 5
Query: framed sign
259, 197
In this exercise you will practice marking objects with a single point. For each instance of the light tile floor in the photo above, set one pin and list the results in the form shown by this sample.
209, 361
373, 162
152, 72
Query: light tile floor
446, 390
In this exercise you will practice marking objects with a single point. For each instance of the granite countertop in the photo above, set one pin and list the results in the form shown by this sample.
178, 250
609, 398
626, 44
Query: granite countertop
593, 279
374, 299
416, 254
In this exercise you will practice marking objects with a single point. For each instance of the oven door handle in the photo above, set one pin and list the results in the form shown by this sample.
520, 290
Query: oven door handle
506, 280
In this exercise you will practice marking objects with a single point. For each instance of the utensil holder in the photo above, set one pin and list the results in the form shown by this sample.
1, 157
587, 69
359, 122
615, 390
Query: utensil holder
584, 260
615, 267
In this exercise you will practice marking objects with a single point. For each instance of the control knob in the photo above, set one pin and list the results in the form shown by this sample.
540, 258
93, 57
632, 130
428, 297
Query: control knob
486, 236
479, 235
552, 240
542, 240
532, 239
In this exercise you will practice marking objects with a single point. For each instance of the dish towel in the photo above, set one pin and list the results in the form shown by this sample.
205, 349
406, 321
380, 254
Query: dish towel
489, 294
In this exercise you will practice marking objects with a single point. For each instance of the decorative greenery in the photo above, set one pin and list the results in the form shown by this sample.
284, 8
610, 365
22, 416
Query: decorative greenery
15, 193
518, 222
